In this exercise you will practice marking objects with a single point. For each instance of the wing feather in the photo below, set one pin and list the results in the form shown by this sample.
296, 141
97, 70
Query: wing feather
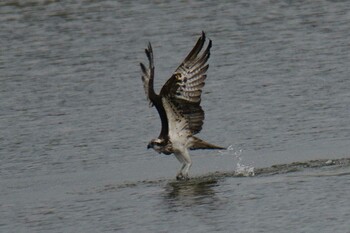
182, 92
148, 76
154, 99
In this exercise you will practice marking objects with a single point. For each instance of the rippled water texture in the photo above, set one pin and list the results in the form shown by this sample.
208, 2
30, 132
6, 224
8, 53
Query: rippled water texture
75, 123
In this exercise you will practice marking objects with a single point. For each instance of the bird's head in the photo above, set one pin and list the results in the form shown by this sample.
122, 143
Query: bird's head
156, 144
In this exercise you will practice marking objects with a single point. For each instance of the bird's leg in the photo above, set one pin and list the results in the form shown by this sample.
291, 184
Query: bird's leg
186, 169
179, 175
185, 159
187, 163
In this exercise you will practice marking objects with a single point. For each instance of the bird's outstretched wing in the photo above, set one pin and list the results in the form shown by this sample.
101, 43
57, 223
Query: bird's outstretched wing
153, 98
148, 76
181, 94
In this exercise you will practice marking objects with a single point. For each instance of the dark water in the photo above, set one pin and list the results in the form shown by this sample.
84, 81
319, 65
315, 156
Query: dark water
74, 121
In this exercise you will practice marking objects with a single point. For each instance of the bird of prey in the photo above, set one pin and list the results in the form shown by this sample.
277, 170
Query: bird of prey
178, 105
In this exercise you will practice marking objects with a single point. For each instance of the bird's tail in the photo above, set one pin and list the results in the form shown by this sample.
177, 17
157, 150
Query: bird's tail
200, 144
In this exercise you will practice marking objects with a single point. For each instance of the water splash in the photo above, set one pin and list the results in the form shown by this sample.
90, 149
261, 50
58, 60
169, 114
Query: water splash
244, 170
240, 168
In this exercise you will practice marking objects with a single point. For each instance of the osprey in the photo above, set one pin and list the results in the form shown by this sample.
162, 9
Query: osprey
178, 105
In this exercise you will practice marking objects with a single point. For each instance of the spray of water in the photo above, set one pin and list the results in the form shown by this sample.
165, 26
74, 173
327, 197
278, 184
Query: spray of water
240, 168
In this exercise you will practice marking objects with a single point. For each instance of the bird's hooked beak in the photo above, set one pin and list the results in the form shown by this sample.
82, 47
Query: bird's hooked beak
149, 146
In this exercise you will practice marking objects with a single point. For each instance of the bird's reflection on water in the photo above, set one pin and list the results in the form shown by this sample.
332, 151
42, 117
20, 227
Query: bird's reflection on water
198, 199
191, 193
193, 188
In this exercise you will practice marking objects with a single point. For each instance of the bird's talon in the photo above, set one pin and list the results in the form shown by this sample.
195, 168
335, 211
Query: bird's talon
182, 177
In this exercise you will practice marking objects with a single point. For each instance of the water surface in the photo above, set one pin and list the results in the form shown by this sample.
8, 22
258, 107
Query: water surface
74, 120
